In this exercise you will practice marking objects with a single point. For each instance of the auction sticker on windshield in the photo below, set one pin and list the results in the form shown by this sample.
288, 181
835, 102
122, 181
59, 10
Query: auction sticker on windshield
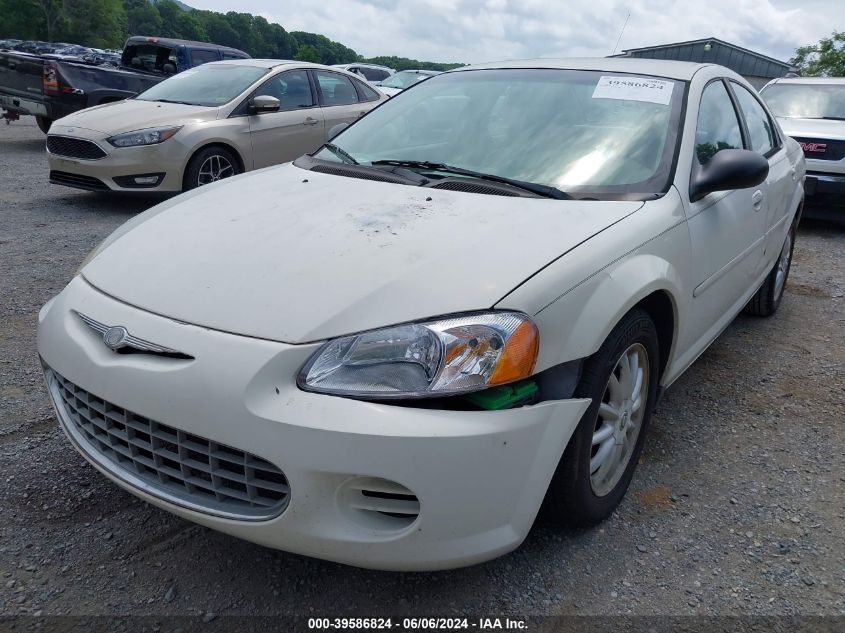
634, 89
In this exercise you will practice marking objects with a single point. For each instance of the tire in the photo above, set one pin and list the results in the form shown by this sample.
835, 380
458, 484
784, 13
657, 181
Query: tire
43, 123
766, 300
210, 165
577, 496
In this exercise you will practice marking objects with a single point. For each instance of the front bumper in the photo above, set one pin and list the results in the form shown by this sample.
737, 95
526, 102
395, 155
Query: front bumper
479, 476
110, 172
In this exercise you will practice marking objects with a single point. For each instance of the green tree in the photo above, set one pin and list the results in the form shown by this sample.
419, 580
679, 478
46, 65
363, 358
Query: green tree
99, 23
169, 12
307, 53
404, 63
142, 17
54, 14
825, 59
23, 20
220, 31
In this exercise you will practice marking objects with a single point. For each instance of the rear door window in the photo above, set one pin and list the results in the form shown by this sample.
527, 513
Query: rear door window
336, 89
201, 56
761, 130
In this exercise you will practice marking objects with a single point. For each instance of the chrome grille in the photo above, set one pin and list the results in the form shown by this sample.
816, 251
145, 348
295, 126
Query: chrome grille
74, 147
179, 467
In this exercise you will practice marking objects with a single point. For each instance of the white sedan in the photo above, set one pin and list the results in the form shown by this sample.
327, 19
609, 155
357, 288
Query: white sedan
391, 353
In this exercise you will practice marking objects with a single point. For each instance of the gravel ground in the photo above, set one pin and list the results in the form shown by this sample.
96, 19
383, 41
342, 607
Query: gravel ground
737, 508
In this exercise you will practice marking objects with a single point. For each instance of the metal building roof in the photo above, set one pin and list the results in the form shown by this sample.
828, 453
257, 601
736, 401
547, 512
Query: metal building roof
738, 59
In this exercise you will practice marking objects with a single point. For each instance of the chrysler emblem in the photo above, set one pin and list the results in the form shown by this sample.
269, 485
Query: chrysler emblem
115, 337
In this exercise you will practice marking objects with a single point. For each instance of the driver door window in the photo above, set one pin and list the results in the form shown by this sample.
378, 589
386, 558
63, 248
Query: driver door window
296, 129
718, 127
292, 89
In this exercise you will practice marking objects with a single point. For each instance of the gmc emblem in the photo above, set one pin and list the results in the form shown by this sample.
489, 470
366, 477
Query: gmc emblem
818, 148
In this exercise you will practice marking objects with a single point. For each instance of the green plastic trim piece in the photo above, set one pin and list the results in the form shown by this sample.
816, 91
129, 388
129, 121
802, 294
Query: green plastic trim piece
503, 397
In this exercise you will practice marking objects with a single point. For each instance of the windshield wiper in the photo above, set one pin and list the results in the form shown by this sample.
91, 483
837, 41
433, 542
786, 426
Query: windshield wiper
547, 191
341, 153
817, 118
169, 101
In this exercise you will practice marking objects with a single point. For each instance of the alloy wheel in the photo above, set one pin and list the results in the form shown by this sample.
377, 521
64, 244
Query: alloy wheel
783, 266
214, 168
619, 420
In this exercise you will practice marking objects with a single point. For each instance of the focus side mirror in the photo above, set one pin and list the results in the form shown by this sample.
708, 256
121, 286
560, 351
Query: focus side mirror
728, 169
264, 103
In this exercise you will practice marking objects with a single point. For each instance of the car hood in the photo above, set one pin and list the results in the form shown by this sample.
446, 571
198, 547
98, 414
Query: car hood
822, 128
296, 256
133, 114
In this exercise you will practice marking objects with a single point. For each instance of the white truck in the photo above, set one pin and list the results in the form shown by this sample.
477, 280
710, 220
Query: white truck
812, 111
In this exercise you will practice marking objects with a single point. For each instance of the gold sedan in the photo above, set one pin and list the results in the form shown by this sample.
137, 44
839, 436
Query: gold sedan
206, 124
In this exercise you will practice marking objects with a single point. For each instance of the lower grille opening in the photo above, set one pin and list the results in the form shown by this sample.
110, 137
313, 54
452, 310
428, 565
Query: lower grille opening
77, 181
174, 465
380, 503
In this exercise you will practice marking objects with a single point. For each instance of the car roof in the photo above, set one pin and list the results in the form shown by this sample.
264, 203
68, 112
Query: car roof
276, 63
362, 65
654, 67
172, 42
838, 81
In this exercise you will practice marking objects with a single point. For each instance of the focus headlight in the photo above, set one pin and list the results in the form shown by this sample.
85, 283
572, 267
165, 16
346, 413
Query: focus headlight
418, 360
151, 136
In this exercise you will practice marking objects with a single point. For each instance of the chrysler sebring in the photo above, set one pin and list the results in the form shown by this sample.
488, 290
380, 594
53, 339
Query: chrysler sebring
396, 351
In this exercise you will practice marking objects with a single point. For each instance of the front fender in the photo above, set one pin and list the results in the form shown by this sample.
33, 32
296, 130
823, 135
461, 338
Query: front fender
580, 298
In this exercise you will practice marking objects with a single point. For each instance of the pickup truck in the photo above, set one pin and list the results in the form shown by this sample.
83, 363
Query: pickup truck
49, 89
812, 111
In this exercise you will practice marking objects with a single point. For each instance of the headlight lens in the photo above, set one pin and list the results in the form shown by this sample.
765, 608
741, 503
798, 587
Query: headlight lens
418, 360
150, 136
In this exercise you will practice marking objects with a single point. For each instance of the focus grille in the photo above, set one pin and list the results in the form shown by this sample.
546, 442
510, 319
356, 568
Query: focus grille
74, 147
77, 181
822, 148
175, 465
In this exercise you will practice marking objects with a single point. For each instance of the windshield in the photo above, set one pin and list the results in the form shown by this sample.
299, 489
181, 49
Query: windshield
806, 101
207, 85
580, 131
402, 80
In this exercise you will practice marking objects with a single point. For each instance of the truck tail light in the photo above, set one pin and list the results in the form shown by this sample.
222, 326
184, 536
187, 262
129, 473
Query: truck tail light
50, 79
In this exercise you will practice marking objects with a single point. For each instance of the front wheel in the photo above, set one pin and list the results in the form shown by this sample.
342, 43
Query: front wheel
43, 123
766, 300
210, 165
599, 462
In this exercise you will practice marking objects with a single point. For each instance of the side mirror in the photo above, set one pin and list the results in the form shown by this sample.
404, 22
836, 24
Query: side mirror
264, 103
337, 129
728, 169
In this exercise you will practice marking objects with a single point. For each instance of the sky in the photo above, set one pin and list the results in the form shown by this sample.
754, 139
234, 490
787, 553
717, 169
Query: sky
473, 31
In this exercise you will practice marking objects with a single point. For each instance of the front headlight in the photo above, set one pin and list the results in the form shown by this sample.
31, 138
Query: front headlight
150, 136
418, 360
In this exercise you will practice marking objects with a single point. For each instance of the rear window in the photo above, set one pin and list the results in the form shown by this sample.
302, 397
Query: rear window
149, 57
199, 57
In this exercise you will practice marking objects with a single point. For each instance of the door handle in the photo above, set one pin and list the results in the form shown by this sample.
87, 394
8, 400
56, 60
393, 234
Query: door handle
310, 121
794, 175
757, 199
